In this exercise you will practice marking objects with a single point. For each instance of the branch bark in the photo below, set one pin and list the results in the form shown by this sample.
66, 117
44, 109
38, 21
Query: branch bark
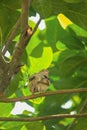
50, 117
23, 41
19, 49
68, 91
26, 34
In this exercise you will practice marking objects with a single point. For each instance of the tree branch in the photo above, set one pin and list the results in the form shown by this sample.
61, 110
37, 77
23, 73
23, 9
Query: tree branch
67, 91
74, 121
50, 117
19, 48
25, 5
26, 34
12, 35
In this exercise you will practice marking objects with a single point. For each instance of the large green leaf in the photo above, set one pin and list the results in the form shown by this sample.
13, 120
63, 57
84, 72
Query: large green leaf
11, 4
79, 33
43, 7
43, 62
77, 11
69, 61
34, 43
69, 69
60, 35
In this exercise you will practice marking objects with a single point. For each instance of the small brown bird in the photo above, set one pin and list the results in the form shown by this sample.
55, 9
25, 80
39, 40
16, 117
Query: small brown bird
39, 82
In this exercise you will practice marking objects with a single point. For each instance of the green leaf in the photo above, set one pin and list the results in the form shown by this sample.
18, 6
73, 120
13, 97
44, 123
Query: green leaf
69, 63
76, 12
24, 128
81, 124
54, 102
14, 84
11, 4
79, 33
50, 125
5, 109
12, 125
74, 1
44, 7
43, 62
8, 17
35, 125
39, 48
60, 35
34, 42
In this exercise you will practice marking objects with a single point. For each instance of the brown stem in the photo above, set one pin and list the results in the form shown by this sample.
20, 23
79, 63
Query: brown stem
26, 34
18, 50
25, 4
36, 26
68, 91
50, 117
20, 46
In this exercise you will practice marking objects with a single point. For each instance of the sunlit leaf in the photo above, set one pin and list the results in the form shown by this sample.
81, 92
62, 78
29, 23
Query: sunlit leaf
5, 109
37, 64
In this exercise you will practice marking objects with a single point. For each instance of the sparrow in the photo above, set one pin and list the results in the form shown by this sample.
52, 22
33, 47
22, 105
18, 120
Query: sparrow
39, 82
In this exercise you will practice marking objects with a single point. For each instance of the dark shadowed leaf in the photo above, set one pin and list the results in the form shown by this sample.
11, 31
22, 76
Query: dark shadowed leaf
60, 35
8, 17
14, 84
74, 10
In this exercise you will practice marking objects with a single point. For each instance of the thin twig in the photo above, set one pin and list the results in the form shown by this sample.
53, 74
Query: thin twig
12, 35
74, 121
36, 26
66, 91
50, 117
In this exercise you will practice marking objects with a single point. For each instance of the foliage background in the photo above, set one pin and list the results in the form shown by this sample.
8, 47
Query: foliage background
60, 49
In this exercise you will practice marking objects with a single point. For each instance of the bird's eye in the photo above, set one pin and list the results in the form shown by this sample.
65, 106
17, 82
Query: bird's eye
45, 77
31, 78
